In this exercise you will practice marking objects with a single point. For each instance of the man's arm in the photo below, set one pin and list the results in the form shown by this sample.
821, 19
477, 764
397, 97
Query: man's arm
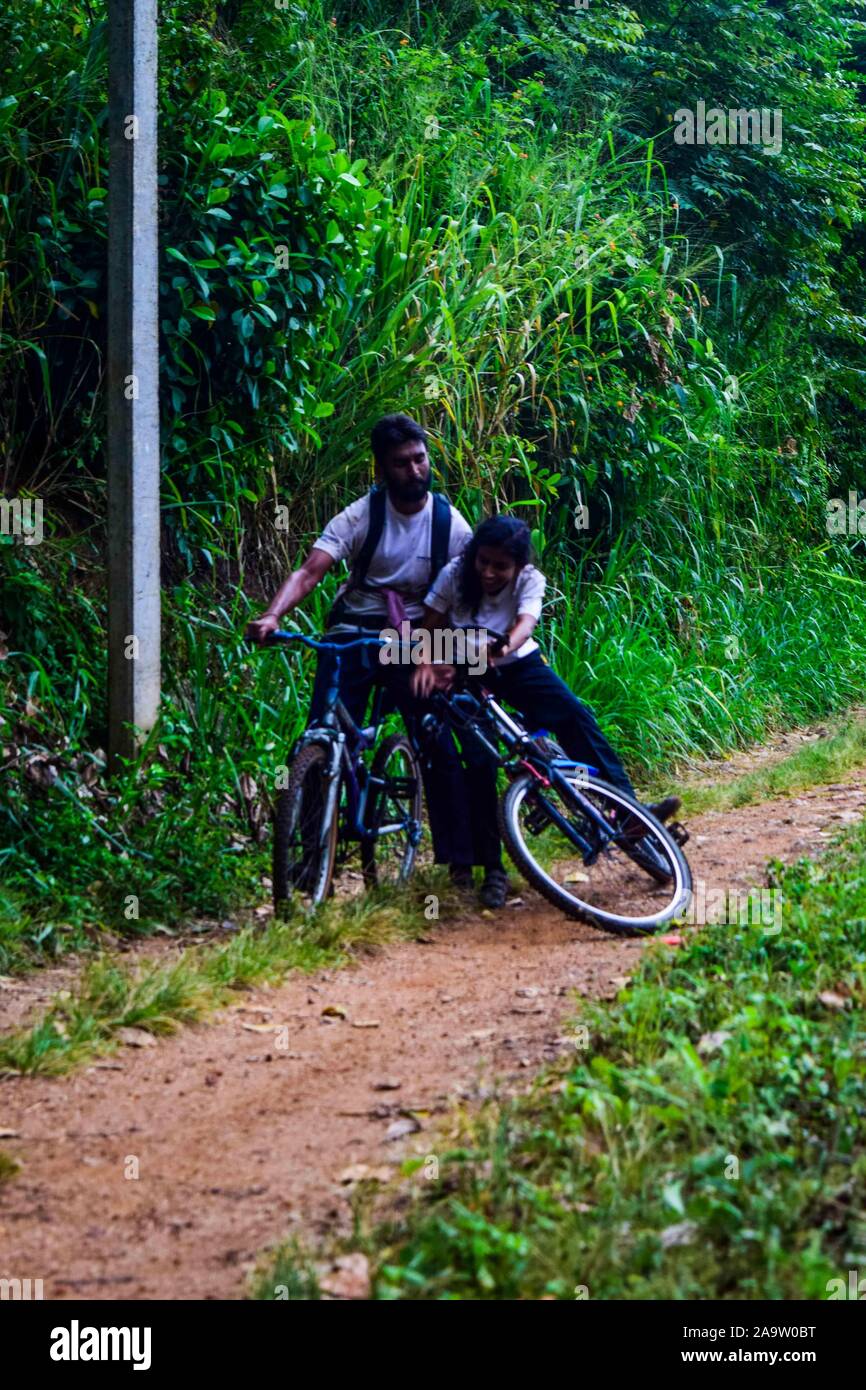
290, 594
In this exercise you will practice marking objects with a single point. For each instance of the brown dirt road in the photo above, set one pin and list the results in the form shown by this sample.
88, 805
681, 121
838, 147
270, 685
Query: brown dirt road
241, 1134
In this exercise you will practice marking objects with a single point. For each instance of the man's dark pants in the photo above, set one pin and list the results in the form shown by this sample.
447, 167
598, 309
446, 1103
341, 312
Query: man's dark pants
441, 770
543, 700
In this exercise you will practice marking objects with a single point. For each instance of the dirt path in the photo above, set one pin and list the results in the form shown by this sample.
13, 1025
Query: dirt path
240, 1134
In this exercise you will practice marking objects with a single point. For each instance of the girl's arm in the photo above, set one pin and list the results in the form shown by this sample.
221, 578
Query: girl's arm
428, 677
520, 633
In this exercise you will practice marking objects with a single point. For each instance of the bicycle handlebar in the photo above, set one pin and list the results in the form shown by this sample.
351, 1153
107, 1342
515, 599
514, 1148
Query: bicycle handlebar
319, 646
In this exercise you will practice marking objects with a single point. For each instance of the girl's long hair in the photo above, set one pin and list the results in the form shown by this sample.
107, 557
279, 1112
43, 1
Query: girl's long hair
505, 533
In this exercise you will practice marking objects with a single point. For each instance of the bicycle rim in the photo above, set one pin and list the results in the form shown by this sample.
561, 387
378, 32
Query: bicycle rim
612, 883
388, 857
304, 846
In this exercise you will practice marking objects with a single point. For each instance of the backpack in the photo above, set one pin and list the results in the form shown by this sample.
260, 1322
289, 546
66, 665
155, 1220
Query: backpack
440, 535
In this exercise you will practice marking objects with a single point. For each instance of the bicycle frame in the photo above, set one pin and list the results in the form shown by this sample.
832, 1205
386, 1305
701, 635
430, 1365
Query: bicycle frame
464, 710
338, 729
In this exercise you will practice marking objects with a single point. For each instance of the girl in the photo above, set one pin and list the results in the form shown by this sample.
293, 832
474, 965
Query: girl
494, 585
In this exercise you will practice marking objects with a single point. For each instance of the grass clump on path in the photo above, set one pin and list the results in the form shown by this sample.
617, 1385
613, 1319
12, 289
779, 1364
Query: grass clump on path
160, 998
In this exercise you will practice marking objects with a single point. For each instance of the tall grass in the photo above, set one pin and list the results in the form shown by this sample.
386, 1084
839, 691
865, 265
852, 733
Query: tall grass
520, 276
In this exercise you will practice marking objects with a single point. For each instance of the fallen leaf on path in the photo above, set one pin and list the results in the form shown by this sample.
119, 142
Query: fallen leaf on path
335, 1011
682, 1234
366, 1023
10, 1133
349, 1277
260, 1027
388, 1084
136, 1037
400, 1128
711, 1042
833, 1000
576, 877
362, 1172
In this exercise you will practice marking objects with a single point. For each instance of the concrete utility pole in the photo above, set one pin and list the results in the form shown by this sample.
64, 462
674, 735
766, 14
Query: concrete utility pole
133, 377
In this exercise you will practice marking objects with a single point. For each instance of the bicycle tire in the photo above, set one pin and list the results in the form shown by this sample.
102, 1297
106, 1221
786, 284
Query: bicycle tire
394, 743
508, 808
313, 873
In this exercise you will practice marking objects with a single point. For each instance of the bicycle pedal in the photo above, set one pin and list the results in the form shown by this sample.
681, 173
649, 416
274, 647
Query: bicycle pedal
677, 832
537, 819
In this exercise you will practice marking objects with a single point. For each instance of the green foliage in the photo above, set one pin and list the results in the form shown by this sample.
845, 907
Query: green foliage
708, 1143
479, 214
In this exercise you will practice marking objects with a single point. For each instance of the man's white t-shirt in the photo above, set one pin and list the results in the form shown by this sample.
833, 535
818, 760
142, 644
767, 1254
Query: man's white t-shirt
498, 612
402, 557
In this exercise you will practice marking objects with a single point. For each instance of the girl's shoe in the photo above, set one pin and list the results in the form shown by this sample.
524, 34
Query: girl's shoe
494, 889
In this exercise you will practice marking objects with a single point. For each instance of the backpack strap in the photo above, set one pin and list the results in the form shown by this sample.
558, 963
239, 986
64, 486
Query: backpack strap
440, 533
378, 497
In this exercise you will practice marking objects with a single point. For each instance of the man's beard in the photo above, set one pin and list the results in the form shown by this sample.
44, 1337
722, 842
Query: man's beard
409, 492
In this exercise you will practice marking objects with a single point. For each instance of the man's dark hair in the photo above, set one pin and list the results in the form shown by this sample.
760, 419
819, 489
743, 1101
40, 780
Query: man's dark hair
392, 431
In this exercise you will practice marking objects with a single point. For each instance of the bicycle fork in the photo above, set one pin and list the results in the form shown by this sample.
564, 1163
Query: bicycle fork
336, 743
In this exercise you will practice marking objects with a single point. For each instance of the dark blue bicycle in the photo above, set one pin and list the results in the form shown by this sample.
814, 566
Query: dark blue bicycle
346, 788
589, 848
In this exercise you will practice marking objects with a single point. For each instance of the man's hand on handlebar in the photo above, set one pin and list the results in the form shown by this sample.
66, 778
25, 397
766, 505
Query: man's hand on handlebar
260, 629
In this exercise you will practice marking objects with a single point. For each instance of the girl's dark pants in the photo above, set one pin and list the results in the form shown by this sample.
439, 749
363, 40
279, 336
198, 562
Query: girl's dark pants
545, 702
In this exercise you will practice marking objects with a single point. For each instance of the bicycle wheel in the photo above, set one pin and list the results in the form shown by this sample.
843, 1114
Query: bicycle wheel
388, 854
622, 884
304, 850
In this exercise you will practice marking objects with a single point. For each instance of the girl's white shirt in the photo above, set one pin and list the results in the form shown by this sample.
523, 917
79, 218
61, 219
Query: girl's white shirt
498, 612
